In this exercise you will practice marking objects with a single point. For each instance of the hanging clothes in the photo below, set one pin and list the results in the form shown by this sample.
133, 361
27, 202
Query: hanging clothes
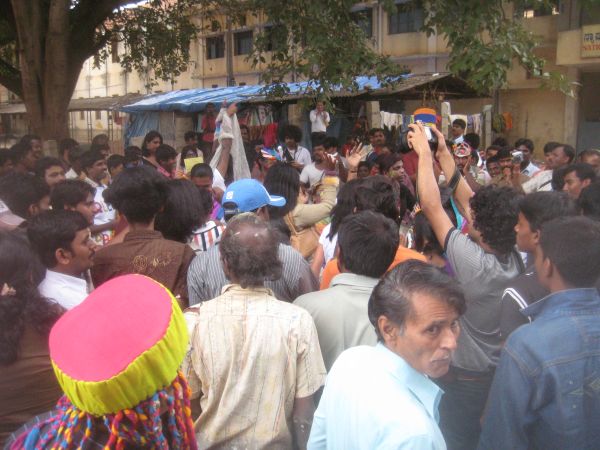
227, 127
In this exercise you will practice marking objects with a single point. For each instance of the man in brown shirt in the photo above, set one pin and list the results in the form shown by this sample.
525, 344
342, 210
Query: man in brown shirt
138, 194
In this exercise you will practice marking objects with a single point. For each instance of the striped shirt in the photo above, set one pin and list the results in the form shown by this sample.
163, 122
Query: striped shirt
206, 236
206, 277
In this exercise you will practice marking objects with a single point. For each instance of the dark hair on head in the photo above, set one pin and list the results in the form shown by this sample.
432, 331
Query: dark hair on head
66, 144
89, 158
495, 214
551, 146
494, 147
583, 171
51, 230
376, 193
318, 140
558, 178
366, 164
491, 160
101, 140
344, 206
460, 122
176, 222
387, 161
202, 170
70, 193
26, 140
190, 135
589, 201
503, 153
500, 142
18, 152
572, 244
22, 271
19, 191
102, 148
425, 240
165, 152
132, 155
331, 142
525, 142
114, 161
541, 207
292, 132
250, 250
282, 179
368, 242
372, 131
150, 136
187, 152
569, 151
473, 140
588, 152
393, 295
75, 154
138, 193
43, 164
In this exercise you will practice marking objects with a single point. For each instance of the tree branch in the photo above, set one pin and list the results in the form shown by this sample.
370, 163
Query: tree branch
10, 78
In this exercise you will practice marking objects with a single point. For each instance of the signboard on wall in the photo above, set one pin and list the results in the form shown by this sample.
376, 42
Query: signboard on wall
590, 41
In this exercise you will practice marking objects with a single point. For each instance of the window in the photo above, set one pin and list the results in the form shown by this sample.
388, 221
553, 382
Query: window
214, 86
364, 19
242, 43
215, 47
98, 115
534, 9
114, 51
406, 19
242, 84
276, 36
115, 115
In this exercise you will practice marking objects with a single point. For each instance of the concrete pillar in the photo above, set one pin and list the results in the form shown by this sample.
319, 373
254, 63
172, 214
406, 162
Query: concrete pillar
373, 115
571, 117
445, 111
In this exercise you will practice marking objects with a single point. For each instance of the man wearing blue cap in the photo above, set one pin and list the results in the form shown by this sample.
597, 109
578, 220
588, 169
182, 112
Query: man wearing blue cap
206, 277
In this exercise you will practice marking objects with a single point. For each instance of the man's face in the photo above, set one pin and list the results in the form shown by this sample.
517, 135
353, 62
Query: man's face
6, 167
527, 239
573, 185
557, 158
429, 336
461, 161
203, 183
98, 170
457, 130
379, 138
37, 148
506, 163
210, 109
82, 251
290, 143
29, 160
193, 141
116, 170
319, 153
320, 106
494, 169
54, 175
593, 160
87, 209
526, 153
42, 205
245, 135
397, 170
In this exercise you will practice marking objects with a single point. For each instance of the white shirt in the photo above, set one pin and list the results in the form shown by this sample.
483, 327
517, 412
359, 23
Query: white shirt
301, 155
66, 290
373, 399
530, 170
310, 174
71, 174
318, 125
328, 244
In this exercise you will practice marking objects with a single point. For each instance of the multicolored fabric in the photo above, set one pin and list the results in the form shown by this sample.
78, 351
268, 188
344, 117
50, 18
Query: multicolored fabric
125, 342
425, 115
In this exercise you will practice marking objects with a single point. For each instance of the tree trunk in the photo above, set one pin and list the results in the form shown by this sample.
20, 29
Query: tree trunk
48, 76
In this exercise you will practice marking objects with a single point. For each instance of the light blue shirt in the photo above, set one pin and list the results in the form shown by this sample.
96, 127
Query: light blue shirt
374, 400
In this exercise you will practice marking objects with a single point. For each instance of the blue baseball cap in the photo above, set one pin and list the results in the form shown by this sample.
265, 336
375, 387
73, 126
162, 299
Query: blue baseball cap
249, 195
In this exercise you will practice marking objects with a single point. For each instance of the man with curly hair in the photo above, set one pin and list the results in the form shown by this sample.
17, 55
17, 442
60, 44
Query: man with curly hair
483, 262
254, 362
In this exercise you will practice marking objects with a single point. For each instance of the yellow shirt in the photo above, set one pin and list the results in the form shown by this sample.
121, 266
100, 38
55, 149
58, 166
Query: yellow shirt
251, 355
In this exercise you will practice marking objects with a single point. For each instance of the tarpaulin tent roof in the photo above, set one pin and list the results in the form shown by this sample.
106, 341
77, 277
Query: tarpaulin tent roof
81, 104
195, 100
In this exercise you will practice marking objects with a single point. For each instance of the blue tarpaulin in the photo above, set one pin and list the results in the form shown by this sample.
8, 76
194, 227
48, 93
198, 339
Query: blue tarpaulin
195, 100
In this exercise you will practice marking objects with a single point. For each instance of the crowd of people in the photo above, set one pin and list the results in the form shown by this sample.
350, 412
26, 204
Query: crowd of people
420, 294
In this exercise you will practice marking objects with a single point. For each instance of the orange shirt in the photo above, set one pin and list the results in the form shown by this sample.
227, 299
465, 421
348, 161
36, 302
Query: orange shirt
402, 254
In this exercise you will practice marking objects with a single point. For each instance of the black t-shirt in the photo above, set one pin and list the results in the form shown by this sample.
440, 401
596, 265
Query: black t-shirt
521, 291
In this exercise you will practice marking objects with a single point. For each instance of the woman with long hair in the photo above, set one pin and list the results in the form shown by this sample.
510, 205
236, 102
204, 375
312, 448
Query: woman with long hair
28, 385
152, 141
346, 202
300, 216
